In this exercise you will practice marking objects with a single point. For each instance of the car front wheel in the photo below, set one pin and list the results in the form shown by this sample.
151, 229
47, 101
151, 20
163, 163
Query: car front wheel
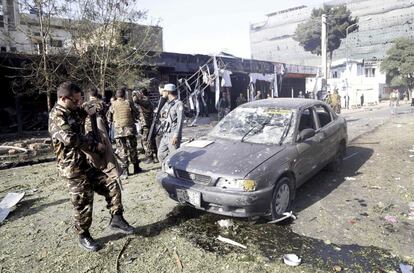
282, 198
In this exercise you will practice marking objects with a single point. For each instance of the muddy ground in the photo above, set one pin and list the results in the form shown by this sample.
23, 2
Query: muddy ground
340, 226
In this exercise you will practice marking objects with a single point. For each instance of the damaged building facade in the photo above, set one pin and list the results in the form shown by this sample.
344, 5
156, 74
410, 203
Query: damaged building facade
21, 32
236, 75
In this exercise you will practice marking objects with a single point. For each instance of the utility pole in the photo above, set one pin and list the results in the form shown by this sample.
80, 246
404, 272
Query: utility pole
324, 48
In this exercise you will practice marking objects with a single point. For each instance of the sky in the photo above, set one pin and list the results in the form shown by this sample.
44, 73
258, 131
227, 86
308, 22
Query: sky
208, 27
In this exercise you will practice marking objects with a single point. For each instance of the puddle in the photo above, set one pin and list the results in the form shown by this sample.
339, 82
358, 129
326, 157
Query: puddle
271, 242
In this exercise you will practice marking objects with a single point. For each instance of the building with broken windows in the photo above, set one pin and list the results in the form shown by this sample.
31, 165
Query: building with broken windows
380, 22
22, 32
191, 73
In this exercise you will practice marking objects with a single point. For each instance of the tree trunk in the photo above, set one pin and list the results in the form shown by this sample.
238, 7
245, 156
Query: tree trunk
49, 100
18, 115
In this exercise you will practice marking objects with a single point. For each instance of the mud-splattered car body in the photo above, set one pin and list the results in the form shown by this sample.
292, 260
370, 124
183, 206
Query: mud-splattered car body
261, 151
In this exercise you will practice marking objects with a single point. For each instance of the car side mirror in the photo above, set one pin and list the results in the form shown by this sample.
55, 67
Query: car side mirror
306, 133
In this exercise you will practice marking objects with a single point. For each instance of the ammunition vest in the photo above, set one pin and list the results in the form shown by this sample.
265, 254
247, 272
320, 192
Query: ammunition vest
122, 113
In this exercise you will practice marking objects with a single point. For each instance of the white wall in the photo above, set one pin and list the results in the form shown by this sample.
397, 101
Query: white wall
355, 85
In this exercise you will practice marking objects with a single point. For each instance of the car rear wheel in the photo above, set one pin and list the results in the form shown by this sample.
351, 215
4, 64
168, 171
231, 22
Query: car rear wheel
282, 198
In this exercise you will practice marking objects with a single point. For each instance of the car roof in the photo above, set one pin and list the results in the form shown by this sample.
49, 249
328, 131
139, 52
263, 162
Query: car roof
289, 103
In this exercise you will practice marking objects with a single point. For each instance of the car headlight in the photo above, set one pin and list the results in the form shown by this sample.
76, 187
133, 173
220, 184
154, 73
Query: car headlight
165, 167
236, 184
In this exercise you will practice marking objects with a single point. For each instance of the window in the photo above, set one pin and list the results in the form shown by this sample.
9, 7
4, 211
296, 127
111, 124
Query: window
360, 70
324, 115
13, 49
3, 49
10, 12
56, 43
307, 120
335, 74
369, 72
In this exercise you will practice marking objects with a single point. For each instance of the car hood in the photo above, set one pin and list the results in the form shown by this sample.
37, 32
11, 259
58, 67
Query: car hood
223, 157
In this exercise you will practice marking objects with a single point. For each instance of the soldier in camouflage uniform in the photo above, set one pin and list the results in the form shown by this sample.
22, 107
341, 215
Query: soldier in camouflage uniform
336, 102
66, 128
124, 114
172, 125
94, 102
146, 110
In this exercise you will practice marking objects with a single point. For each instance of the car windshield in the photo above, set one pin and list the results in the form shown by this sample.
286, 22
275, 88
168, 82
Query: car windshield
263, 125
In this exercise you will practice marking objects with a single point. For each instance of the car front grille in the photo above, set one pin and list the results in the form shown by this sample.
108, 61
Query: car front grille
193, 177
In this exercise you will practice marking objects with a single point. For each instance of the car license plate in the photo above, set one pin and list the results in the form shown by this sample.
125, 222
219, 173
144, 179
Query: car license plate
189, 196
194, 198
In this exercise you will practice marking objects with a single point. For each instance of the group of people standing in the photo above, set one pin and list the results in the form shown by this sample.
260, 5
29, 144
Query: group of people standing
75, 138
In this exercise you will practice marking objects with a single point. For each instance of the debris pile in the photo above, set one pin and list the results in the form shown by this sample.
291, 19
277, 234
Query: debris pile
27, 150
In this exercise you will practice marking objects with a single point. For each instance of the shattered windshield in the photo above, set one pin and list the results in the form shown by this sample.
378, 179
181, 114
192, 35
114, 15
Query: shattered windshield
263, 125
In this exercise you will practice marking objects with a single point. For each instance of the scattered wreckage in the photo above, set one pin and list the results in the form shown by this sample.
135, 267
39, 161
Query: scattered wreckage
253, 160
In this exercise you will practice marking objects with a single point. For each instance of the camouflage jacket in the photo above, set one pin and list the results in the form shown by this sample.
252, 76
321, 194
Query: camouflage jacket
146, 111
94, 105
66, 128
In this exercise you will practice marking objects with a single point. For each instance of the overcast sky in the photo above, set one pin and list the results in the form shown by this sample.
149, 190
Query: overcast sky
206, 27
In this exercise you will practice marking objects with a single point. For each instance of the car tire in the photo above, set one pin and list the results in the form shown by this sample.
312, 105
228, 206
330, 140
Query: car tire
336, 164
282, 197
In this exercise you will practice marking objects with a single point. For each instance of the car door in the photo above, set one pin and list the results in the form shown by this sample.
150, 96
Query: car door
307, 162
327, 132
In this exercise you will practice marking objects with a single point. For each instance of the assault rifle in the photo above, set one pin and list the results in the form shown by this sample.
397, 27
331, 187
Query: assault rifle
155, 120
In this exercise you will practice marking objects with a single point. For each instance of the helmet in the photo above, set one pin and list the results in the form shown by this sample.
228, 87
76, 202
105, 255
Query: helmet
170, 88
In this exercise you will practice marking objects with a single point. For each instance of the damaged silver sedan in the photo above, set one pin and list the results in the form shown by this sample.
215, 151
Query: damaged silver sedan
255, 158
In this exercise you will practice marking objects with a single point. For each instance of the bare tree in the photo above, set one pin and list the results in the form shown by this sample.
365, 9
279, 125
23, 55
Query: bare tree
110, 42
34, 37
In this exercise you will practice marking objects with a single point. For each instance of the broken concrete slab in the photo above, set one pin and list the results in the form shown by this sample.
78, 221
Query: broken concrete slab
9, 201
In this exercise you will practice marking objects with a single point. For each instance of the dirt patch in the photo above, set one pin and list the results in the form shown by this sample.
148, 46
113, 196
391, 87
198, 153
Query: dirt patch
341, 221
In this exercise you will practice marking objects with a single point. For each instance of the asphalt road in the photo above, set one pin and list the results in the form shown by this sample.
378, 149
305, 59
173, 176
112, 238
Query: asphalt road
361, 122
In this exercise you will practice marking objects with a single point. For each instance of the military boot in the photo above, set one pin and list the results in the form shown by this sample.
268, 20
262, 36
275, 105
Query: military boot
137, 168
118, 223
149, 160
125, 172
88, 243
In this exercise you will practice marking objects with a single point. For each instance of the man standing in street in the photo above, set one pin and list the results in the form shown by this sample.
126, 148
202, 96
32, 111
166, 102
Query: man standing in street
240, 100
172, 126
412, 98
66, 128
223, 105
124, 115
146, 110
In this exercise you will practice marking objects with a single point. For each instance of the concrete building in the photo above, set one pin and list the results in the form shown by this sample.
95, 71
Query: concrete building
381, 21
21, 32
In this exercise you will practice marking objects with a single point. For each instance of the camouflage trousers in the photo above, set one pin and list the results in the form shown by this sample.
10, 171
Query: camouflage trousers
81, 190
148, 144
126, 149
